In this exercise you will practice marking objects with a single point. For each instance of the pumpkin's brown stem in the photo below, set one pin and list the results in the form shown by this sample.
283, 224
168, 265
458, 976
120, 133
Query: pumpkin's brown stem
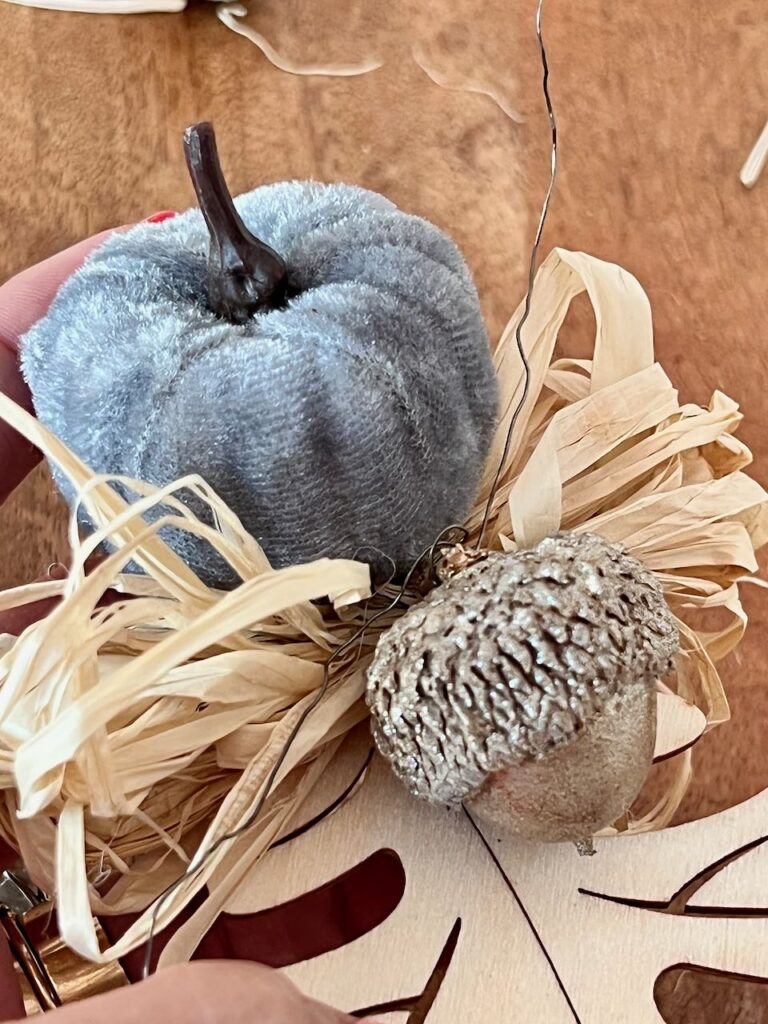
245, 275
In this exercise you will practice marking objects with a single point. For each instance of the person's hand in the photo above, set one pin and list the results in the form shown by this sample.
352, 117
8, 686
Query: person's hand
23, 301
205, 992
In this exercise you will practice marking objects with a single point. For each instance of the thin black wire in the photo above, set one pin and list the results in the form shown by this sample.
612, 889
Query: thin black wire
531, 276
440, 542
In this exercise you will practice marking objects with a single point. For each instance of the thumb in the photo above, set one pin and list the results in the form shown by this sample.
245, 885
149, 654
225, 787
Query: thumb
205, 992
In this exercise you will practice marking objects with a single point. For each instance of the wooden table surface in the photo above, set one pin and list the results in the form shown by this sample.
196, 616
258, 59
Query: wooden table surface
657, 106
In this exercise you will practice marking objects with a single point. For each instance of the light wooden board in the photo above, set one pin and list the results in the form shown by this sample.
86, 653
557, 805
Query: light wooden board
533, 946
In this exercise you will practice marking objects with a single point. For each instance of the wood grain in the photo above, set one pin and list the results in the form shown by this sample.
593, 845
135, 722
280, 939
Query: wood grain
658, 106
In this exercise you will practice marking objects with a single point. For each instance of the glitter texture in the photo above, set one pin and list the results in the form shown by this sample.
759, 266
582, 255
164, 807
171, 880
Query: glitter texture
512, 659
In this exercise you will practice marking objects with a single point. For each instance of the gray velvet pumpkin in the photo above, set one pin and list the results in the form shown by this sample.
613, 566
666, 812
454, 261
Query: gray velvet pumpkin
356, 416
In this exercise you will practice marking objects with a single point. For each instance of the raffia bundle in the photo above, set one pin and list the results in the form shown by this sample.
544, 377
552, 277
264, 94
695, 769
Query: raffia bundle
133, 737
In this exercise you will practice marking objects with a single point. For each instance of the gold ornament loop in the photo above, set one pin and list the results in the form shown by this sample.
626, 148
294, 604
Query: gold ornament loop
456, 559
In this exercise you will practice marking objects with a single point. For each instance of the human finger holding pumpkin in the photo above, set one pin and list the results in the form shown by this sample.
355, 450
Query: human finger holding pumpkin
23, 301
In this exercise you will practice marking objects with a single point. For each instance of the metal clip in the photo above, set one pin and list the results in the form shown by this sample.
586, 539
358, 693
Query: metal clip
49, 973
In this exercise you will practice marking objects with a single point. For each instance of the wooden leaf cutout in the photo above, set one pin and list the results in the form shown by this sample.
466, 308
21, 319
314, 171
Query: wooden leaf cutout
662, 872
312, 923
448, 877
546, 935
680, 903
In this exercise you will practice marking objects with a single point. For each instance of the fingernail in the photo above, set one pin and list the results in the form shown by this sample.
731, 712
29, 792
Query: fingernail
56, 571
158, 218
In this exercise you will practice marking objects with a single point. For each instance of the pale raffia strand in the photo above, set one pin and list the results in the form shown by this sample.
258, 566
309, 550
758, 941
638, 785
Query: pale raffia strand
133, 737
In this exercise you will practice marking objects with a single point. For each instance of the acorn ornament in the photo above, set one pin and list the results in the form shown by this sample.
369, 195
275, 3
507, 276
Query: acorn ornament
317, 355
524, 687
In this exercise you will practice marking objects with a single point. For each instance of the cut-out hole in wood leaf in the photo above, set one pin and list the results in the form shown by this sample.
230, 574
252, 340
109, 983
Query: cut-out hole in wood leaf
679, 904
331, 808
687, 994
418, 1007
316, 922
679, 724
